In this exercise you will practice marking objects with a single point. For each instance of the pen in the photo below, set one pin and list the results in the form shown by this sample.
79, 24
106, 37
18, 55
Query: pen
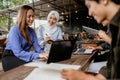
46, 34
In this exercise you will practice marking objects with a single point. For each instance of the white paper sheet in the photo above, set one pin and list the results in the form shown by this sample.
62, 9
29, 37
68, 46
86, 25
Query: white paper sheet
49, 71
36, 63
88, 51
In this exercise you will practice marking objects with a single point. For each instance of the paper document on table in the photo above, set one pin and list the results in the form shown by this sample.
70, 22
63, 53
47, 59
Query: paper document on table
49, 72
36, 63
88, 51
63, 66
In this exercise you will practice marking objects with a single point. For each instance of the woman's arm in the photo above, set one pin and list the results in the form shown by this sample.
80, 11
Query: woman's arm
35, 43
18, 45
60, 34
41, 37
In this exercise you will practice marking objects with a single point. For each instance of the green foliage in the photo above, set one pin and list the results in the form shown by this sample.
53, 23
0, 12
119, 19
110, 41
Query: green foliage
1, 4
3, 21
9, 4
14, 3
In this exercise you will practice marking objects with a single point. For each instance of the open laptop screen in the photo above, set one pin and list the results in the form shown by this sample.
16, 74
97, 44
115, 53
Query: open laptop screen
60, 50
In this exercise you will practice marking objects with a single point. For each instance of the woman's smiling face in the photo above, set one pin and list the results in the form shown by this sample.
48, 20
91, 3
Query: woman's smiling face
52, 20
30, 17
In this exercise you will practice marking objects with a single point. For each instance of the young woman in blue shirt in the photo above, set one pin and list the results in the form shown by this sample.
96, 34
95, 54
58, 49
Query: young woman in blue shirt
22, 45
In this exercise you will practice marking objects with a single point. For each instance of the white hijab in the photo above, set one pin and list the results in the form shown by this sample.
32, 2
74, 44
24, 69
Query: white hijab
49, 30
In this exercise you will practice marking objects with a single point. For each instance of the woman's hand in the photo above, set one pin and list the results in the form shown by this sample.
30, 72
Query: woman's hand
43, 56
95, 48
48, 40
91, 47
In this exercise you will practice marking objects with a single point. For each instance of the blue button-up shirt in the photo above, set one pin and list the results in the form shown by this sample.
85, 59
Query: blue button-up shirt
19, 46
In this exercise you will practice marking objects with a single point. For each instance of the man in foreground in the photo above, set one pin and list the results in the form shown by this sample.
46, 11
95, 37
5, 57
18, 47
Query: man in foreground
106, 12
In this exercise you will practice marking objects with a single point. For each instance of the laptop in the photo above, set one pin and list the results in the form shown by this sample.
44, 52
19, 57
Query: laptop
60, 50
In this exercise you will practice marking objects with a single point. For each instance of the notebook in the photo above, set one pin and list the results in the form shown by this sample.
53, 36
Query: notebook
90, 30
60, 50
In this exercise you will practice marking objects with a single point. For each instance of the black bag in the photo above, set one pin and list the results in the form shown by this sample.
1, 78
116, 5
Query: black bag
102, 56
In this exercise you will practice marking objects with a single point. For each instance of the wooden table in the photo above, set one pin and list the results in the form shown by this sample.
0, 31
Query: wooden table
21, 72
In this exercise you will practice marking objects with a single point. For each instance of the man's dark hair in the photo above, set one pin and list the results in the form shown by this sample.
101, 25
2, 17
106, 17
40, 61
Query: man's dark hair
115, 1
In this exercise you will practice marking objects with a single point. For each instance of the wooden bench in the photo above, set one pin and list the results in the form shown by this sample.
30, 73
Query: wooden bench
2, 45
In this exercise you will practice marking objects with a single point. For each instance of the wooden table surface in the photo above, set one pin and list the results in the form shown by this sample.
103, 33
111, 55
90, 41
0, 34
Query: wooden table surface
21, 72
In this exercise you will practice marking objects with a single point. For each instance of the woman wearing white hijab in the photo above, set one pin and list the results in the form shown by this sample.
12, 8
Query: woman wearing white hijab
49, 31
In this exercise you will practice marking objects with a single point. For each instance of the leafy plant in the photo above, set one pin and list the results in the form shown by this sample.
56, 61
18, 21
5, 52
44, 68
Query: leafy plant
4, 19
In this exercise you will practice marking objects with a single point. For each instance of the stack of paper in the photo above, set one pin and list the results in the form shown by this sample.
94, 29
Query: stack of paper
49, 71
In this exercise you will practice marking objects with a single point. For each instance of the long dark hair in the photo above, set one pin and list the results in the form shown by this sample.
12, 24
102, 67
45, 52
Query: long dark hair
21, 21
